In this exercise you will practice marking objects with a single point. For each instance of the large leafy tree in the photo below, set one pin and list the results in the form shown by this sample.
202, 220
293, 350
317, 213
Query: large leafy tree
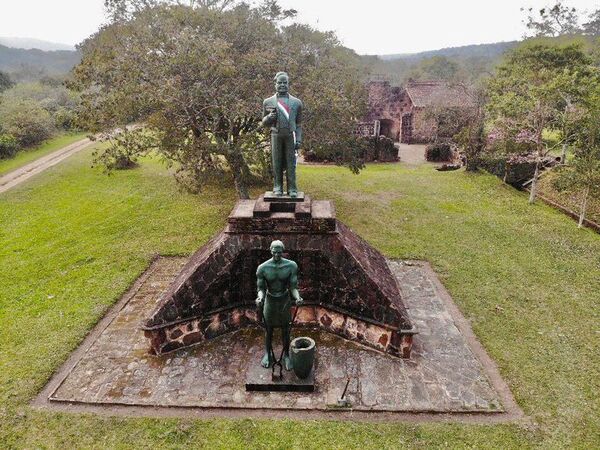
196, 75
530, 91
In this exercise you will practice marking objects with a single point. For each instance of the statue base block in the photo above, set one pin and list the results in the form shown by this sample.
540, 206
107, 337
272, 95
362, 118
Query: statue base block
259, 379
270, 196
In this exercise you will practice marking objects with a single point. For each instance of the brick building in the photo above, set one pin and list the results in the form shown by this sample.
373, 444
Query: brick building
400, 113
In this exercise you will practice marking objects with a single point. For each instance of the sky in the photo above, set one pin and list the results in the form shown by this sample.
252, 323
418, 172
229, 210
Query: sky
372, 27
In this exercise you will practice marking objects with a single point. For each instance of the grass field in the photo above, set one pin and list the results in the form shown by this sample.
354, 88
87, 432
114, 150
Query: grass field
30, 154
73, 239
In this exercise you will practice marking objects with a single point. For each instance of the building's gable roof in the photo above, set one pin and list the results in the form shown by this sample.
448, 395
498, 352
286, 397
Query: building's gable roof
439, 93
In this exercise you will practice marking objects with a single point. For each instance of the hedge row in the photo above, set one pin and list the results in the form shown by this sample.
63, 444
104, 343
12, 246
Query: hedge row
513, 169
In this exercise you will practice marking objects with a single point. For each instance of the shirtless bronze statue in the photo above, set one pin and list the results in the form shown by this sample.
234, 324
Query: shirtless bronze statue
277, 282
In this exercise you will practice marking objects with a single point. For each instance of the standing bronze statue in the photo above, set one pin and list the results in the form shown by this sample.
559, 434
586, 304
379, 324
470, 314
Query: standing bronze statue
283, 113
277, 282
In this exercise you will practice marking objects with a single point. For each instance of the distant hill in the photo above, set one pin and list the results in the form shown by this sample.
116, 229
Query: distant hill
474, 62
17, 60
35, 62
491, 51
29, 43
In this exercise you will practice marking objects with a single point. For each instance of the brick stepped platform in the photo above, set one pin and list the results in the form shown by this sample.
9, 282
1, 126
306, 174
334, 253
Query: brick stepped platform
347, 285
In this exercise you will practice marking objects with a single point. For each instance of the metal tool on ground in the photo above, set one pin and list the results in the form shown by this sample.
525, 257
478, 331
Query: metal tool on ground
278, 362
343, 401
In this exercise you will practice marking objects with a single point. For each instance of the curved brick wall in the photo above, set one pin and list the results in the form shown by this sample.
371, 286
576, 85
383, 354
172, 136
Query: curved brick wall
346, 284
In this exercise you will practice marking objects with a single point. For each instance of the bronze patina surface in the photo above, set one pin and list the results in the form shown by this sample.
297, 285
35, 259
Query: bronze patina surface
277, 285
283, 114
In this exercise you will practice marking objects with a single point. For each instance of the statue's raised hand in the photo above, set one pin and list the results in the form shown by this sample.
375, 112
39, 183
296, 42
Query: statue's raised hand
271, 117
299, 301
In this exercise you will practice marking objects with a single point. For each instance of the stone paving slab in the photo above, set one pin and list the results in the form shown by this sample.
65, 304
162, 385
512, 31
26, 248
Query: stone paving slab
443, 374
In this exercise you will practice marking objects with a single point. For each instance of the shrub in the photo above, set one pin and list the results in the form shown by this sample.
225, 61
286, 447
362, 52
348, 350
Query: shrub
60, 103
5, 82
349, 150
51, 98
28, 122
64, 119
513, 169
357, 149
439, 152
492, 163
8, 146
380, 149
124, 149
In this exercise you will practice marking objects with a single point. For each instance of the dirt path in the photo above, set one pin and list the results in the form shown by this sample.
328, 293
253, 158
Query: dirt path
411, 154
21, 174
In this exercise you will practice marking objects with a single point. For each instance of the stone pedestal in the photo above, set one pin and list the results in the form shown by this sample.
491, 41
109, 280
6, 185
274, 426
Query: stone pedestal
346, 284
270, 196
259, 379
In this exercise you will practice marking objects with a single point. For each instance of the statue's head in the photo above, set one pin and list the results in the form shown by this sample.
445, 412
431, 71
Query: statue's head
282, 83
277, 249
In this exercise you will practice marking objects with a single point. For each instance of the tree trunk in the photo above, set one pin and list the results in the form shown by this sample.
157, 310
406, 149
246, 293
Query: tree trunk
240, 187
236, 163
536, 174
586, 194
563, 156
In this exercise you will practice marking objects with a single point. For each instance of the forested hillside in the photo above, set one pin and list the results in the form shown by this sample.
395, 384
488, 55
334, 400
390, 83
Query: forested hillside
28, 43
31, 64
464, 52
28, 63
468, 63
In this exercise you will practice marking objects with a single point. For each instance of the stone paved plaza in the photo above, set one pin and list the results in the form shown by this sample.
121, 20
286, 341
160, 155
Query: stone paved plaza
443, 374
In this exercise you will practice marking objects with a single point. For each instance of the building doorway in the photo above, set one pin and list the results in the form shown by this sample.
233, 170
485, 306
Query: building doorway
386, 128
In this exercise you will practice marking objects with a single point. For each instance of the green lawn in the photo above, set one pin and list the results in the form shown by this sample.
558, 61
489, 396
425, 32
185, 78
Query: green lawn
27, 155
73, 239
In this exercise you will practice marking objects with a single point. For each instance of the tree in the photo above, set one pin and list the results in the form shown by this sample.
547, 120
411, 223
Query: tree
592, 26
196, 76
5, 82
329, 81
583, 173
472, 137
435, 68
554, 20
527, 96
